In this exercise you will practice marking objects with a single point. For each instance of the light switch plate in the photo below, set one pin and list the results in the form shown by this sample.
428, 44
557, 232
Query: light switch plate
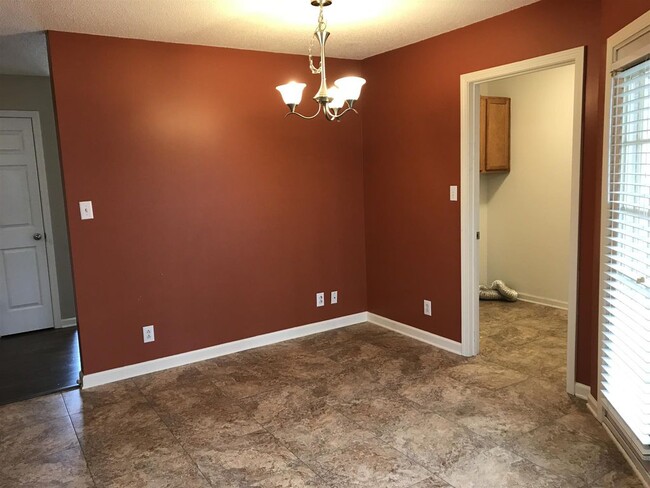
453, 193
334, 297
86, 209
427, 307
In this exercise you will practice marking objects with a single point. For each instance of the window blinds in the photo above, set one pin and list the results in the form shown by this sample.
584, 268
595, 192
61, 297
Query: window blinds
626, 292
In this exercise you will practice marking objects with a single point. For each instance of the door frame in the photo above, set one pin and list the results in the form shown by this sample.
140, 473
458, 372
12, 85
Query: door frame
469, 192
34, 116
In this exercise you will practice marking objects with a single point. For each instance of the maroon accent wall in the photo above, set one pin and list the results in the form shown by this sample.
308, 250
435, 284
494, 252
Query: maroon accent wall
216, 219
618, 13
412, 156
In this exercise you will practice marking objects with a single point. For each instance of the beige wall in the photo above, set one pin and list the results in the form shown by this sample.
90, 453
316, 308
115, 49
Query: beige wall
525, 214
34, 93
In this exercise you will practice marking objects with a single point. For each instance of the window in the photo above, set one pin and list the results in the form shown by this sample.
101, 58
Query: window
626, 296
625, 289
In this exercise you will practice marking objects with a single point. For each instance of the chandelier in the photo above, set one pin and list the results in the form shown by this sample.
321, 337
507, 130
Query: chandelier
331, 101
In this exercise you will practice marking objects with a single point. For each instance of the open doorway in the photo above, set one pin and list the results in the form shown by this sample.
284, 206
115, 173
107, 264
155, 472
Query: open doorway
524, 216
551, 300
39, 350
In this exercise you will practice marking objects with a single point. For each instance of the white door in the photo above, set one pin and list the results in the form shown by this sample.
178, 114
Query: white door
25, 301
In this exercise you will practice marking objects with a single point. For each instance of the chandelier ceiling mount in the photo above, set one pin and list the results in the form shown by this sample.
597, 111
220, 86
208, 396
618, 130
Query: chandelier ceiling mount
334, 101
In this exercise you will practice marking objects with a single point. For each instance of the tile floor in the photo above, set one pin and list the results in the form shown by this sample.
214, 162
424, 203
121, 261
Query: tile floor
356, 407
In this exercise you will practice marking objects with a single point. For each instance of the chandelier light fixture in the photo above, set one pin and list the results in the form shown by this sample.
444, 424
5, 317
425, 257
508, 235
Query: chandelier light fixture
331, 101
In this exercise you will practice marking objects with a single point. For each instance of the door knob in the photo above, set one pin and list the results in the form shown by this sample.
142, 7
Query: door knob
37, 236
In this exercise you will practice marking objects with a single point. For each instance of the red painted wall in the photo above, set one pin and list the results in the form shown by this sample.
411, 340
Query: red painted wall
412, 156
618, 13
215, 218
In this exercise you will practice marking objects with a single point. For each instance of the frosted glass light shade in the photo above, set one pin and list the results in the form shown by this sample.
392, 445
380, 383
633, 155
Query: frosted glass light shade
350, 87
338, 99
291, 92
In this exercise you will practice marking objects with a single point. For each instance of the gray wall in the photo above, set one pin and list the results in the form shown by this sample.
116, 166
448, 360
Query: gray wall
34, 93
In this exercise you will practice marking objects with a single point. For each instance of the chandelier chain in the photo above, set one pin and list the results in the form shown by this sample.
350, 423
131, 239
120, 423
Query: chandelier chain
322, 25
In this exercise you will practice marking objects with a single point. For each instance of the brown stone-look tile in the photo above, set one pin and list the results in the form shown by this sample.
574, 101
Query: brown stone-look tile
88, 398
501, 312
583, 421
401, 345
549, 398
378, 411
498, 467
354, 380
255, 459
318, 433
513, 334
148, 456
32, 441
367, 331
186, 398
368, 463
440, 393
433, 482
96, 427
537, 358
621, 478
568, 453
431, 440
242, 381
304, 365
208, 421
422, 435
28, 412
497, 415
182, 376
282, 404
357, 351
485, 375
59, 469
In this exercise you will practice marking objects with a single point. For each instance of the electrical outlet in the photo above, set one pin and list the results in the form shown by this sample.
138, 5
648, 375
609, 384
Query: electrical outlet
334, 297
320, 299
147, 333
453, 193
427, 307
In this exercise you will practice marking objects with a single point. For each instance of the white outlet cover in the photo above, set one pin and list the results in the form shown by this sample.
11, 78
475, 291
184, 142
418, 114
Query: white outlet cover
148, 334
334, 297
86, 209
320, 299
453, 193
427, 307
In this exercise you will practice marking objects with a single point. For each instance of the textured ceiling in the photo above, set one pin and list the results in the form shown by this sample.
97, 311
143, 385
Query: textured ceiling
360, 28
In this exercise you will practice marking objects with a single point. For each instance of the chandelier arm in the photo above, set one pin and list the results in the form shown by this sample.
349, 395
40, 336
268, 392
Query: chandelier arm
336, 116
304, 116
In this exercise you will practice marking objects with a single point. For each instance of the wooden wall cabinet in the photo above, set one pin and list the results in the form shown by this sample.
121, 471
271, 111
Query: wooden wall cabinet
495, 134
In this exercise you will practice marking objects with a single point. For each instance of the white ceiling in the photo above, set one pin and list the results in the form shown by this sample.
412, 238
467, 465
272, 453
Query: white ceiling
360, 28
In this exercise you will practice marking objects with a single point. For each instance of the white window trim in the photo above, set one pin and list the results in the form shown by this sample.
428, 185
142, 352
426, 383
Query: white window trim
622, 37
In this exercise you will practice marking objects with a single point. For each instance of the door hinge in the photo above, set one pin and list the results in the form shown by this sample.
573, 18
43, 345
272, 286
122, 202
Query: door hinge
478, 235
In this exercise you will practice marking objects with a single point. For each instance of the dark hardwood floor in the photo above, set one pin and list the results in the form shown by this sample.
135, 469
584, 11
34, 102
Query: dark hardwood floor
37, 363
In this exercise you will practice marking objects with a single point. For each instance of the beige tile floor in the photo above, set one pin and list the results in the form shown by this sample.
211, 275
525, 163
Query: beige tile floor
356, 407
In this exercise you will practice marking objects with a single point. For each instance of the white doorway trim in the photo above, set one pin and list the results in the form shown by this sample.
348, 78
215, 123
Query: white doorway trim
57, 321
469, 192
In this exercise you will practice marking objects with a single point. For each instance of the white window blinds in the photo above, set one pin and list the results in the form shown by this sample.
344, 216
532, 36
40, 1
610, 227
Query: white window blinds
626, 296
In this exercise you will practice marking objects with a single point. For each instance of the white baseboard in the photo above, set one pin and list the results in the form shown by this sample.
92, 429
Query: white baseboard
132, 370
71, 322
594, 407
549, 302
420, 335
582, 391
